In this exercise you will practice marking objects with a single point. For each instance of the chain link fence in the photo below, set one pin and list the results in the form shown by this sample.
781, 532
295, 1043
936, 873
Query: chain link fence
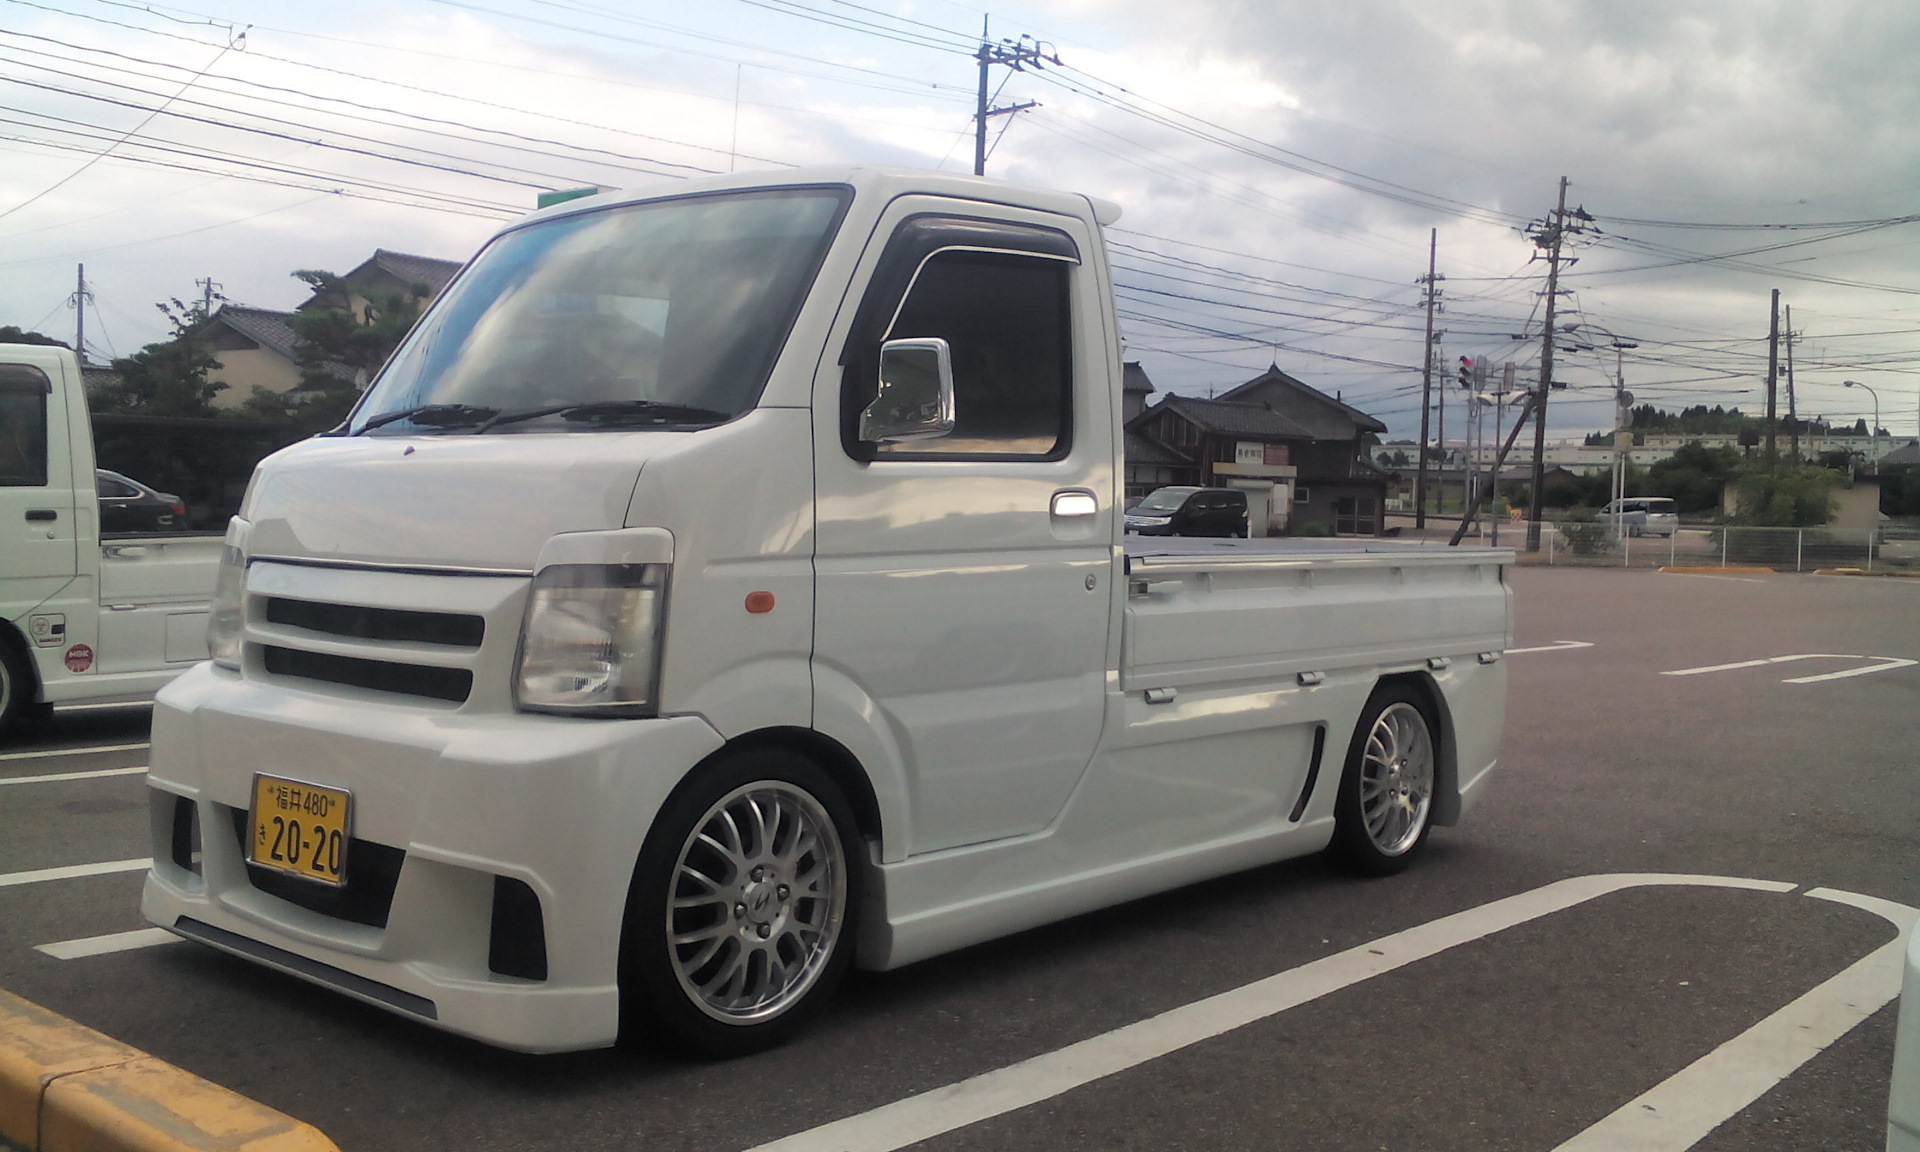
1596, 544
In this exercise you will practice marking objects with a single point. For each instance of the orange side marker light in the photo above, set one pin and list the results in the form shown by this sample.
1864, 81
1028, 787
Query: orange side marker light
759, 602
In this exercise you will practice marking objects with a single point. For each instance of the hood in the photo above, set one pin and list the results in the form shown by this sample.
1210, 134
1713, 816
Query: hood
454, 501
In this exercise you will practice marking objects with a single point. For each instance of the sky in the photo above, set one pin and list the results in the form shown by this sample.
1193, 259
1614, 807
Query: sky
1282, 165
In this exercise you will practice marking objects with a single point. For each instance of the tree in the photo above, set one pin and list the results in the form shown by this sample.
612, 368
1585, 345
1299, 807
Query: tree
1694, 476
1787, 497
11, 335
167, 378
338, 351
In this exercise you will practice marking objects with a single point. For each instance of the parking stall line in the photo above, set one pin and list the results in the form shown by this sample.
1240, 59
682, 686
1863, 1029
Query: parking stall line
103, 945
1681, 1110
1882, 664
50, 752
1556, 646
1032, 1081
54, 777
74, 871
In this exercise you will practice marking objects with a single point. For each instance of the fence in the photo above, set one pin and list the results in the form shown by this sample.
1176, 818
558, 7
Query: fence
1595, 544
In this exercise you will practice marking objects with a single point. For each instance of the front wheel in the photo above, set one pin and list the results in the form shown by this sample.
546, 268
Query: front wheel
740, 919
16, 687
1385, 807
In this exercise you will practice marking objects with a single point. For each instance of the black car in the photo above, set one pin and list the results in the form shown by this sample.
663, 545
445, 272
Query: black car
128, 506
1190, 512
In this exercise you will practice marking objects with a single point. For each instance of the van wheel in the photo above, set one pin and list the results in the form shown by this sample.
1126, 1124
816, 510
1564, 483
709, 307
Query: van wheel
1385, 807
740, 918
16, 686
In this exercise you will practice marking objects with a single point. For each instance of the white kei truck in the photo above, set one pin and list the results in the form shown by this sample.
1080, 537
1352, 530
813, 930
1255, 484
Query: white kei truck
726, 585
84, 618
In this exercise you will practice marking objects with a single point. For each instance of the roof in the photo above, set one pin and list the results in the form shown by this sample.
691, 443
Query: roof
1361, 420
1134, 378
428, 270
1142, 449
1255, 421
1908, 454
263, 326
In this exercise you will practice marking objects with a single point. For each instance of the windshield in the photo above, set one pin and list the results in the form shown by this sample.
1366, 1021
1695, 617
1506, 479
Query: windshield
669, 312
1164, 500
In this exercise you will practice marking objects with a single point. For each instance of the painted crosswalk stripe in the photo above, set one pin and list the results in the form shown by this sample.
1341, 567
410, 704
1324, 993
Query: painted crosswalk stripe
112, 942
48, 752
74, 871
137, 769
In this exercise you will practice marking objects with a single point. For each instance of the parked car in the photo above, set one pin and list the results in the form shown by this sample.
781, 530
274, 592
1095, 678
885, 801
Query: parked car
126, 505
1184, 511
1643, 515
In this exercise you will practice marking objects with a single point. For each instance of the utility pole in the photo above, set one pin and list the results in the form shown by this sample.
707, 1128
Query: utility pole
1549, 235
1014, 54
208, 288
80, 298
1773, 370
1793, 417
1432, 282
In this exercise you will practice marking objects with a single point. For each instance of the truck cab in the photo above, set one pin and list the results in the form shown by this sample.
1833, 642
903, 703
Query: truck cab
84, 617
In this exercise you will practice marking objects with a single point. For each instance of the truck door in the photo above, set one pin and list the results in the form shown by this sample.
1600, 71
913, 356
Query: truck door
963, 582
37, 520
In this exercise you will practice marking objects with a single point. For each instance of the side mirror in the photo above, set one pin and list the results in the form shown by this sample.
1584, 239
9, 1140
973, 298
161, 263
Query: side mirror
915, 398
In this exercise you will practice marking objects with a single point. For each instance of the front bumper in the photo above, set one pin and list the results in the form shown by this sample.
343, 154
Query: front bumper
559, 804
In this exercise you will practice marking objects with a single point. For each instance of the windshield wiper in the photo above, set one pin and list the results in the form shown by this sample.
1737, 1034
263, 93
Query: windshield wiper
434, 415
606, 410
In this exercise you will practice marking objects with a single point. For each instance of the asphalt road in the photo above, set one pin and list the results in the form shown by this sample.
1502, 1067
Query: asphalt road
1517, 1038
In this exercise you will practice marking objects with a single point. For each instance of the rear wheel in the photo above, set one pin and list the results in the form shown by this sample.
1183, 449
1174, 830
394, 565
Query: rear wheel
1385, 807
16, 685
740, 919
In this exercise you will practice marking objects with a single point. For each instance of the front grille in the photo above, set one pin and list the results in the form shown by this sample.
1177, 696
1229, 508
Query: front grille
392, 624
373, 870
380, 675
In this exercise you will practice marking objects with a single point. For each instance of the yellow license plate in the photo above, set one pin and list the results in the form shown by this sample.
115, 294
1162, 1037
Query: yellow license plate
301, 829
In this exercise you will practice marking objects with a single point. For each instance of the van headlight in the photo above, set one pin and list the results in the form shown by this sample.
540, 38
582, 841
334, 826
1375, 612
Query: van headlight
227, 614
590, 642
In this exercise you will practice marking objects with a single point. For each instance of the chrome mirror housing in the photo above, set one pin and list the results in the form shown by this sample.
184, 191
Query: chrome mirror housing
915, 397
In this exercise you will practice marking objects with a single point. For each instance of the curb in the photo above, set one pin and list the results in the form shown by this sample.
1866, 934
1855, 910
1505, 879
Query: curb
66, 1088
1886, 573
1716, 569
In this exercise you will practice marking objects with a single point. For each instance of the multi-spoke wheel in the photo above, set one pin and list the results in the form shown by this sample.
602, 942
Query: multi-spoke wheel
740, 918
1385, 806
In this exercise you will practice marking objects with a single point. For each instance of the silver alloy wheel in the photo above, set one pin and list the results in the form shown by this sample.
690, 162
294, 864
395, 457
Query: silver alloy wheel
759, 896
1396, 779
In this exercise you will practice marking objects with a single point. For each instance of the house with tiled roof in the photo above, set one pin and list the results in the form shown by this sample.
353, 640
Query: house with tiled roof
387, 273
1299, 453
254, 347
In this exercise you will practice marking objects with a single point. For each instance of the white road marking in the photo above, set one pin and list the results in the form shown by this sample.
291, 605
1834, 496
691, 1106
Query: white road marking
1678, 1112
93, 775
74, 871
1710, 576
72, 751
101, 945
1556, 646
1884, 664
1043, 1077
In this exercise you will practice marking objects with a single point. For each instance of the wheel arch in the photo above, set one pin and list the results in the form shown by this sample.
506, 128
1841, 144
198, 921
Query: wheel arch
832, 757
29, 689
1446, 791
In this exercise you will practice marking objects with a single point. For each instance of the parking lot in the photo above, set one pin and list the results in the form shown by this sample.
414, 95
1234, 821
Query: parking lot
1663, 928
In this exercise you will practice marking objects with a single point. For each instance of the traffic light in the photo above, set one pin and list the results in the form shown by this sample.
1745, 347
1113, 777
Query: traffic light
1466, 372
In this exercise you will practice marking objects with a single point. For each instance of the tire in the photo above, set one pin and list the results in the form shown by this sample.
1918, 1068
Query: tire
16, 685
740, 920
1384, 811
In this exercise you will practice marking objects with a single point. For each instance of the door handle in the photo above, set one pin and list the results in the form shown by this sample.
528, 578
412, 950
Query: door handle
42, 514
1074, 502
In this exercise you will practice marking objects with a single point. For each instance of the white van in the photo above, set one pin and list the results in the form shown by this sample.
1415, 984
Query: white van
1643, 515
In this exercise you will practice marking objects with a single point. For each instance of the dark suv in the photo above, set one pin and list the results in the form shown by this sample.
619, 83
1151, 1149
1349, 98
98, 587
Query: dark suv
1190, 512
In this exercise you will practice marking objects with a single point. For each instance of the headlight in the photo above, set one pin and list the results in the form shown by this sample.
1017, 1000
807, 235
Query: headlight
591, 640
227, 613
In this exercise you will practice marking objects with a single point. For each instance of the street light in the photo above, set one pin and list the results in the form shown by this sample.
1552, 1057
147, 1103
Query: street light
1622, 402
1876, 420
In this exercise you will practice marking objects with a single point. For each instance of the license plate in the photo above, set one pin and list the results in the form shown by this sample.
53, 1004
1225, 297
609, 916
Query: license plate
301, 829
